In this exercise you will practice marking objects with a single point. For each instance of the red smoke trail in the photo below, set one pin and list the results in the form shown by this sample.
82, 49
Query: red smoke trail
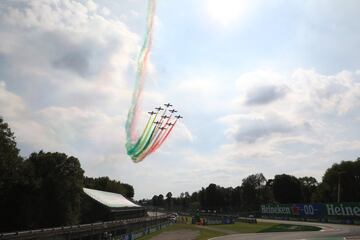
164, 138
157, 140
133, 114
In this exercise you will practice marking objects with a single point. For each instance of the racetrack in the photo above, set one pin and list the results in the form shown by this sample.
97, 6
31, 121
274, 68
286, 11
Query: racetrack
329, 231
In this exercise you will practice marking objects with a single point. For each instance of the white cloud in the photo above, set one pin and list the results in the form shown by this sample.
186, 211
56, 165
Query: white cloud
200, 92
335, 93
11, 105
311, 124
76, 88
71, 89
202, 86
27, 131
35, 135
253, 128
69, 72
181, 133
227, 12
265, 94
304, 89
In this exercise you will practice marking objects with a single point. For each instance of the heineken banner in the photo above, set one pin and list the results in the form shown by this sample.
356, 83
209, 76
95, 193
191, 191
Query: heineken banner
322, 211
343, 209
296, 210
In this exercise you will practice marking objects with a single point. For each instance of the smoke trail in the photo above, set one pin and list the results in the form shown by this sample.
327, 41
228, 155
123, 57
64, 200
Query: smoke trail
164, 138
154, 133
143, 136
140, 77
157, 137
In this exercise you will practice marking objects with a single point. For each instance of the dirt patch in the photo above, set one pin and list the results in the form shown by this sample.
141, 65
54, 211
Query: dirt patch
177, 235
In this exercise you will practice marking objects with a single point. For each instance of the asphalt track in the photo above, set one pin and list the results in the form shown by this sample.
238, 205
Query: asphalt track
329, 231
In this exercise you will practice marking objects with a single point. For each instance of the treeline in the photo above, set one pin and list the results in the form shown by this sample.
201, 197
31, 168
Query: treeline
256, 190
45, 189
108, 185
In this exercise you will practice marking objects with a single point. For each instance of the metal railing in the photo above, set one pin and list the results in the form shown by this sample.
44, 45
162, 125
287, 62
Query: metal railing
75, 231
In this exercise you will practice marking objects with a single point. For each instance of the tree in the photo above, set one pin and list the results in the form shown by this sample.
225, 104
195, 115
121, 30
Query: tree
236, 198
109, 185
155, 200
252, 191
287, 189
347, 176
194, 201
129, 190
322, 193
212, 197
10, 179
269, 192
308, 187
186, 200
168, 199
55, 183
160, 200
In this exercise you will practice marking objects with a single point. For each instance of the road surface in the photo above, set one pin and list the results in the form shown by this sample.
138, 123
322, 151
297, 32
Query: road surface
329, 231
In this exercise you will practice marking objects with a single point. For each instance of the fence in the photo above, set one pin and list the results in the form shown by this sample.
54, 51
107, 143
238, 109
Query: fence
122, 229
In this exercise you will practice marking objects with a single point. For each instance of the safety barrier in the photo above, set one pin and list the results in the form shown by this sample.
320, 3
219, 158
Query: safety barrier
246, 220
140, 233
99, 229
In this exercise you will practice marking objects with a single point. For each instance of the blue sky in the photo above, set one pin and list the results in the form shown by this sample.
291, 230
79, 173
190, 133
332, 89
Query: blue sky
265, 86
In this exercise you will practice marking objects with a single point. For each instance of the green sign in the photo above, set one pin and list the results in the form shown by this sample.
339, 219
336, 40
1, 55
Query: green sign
313, 210
343, 209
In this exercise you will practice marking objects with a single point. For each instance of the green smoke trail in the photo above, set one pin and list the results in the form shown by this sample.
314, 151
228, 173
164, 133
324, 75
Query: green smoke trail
133, 113
152, 136
145, 132
147, 137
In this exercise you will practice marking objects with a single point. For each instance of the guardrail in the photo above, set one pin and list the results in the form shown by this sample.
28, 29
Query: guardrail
119, 227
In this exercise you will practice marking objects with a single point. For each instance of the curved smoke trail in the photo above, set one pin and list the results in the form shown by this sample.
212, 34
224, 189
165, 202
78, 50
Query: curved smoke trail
156, 129
140, 77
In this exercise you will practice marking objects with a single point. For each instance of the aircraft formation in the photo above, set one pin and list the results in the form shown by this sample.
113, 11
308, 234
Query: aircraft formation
161, 122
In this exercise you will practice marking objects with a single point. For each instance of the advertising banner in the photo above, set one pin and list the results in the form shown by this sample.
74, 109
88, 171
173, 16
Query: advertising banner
328, 212
276, 209
343, 209
307, 210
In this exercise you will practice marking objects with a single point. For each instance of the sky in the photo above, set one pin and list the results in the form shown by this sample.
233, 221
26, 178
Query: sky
266, 87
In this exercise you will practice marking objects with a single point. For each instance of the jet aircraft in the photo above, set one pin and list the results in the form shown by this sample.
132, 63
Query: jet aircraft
159, 108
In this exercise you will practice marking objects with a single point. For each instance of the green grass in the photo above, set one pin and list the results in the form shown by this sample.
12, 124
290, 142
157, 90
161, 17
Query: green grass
239, 227
290, 228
